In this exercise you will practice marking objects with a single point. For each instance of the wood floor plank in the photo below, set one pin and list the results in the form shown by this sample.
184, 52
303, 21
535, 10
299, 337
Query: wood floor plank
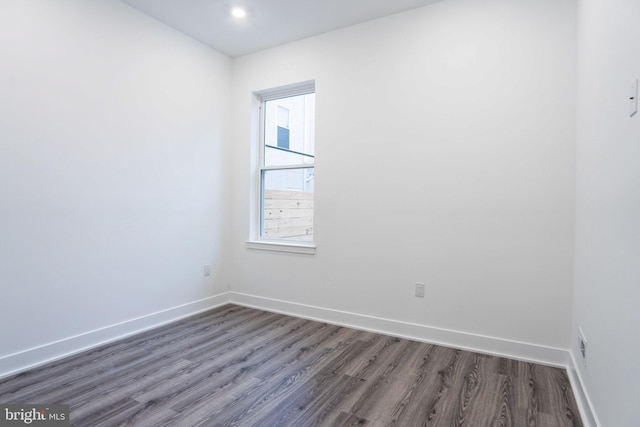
451, 380
233, 371
482, 399
110, 392
383, 391
215, 375
77, 369
346, 420
312, 393
297, 350
417, 405
237, 366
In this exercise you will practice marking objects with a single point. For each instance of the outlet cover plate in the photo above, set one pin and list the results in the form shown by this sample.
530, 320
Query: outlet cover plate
582, 346
633, 98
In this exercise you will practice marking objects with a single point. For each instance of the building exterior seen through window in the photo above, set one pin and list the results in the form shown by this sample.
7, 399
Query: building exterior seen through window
287, 172
283, 127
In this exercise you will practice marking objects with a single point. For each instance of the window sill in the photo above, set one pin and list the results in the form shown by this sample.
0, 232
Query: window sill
298, 248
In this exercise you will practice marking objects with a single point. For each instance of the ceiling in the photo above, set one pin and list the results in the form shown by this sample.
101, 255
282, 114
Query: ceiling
269, 22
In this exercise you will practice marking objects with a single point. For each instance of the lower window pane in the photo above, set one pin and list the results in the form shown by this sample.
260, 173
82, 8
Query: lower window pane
287, 204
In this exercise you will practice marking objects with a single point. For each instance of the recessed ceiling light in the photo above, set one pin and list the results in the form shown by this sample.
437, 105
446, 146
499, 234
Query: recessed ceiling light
238, 12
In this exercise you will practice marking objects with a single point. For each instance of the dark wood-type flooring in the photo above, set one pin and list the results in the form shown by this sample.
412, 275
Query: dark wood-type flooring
236, 366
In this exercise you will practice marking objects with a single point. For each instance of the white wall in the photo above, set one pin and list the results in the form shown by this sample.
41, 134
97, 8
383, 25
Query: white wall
445, 154
607, 267
112, 185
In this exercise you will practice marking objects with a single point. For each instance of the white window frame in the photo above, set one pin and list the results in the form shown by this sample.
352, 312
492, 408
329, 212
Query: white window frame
256, 241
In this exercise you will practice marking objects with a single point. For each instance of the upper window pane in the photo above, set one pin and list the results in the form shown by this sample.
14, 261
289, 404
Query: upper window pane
289, 129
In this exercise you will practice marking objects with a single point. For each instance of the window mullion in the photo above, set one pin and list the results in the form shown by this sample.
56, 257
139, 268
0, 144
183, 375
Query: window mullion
287, 167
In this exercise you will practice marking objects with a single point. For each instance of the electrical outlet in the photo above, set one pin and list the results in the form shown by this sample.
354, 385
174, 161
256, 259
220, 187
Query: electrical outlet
207, 269
633, 98
420, 289
582, 346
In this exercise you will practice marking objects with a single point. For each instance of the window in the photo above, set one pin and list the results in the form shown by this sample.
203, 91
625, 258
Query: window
286, 168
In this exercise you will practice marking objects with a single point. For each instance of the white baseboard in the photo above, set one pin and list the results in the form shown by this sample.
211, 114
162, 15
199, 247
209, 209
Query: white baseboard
449, 338
33, 357
551, 356
27, 359
589, 417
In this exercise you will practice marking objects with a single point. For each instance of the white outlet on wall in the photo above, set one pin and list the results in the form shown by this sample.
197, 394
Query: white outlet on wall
420, 289
582, 346
207, 269
633, 98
